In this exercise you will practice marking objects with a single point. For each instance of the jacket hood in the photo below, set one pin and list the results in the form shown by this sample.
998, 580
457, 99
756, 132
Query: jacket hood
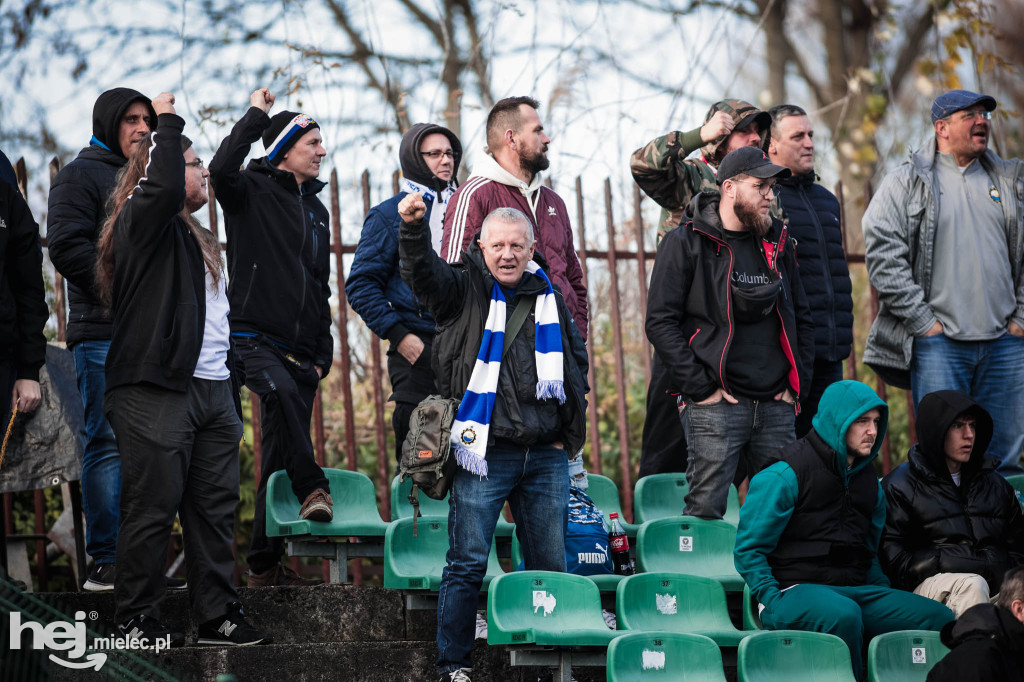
982, 620
841, 404
704, 210
935, 413
487, 167
799, 180
94, 152
107, 112
415, 168
742, 113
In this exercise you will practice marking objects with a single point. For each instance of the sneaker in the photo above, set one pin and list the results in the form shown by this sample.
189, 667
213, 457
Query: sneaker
176, 583
280, 575
459, 675
101, 578
148, 629
318, 507
231, 629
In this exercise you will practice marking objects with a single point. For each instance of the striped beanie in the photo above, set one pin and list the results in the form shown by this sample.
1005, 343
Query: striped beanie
284, 131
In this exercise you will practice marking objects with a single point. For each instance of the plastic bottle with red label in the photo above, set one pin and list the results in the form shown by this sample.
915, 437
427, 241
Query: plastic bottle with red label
618, 545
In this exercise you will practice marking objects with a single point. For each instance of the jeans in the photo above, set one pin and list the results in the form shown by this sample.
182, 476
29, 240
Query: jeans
991, 372
179, 455
854, 614
825, 374
535, 481
718, 435
101, 462
287, 388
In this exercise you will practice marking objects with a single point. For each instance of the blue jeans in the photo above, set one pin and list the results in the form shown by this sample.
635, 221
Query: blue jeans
535, 481
101, 462
718, 435
991, 372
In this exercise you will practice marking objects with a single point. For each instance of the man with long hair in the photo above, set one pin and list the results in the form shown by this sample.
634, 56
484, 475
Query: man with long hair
170, 398
280, 272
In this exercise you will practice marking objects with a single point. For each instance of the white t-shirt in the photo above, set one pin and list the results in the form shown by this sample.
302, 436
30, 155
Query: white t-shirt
213, 357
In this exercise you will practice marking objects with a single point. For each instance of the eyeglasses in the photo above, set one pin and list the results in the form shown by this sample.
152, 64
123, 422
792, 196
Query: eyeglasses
437, 154
198, 163
972, 115
763, 188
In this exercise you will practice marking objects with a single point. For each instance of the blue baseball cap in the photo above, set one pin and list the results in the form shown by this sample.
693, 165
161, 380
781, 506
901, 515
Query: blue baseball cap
957, 100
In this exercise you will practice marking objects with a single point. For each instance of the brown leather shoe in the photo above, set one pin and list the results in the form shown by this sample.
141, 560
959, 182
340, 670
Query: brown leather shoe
318, 507
279, 575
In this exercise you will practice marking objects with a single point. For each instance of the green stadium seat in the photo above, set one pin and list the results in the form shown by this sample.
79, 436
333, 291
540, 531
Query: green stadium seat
793, 656
606, 582
656, 602
355, 516
654, 656
546, 609
414, 559
605, 494
401, 507
904, 656
686, 544
659, 496
751, 614
1017, 481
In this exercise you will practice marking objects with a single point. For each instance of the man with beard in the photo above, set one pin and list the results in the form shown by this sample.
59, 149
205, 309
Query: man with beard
950, 272
663, 172
508, 175
812, 214
430, 156
728, 317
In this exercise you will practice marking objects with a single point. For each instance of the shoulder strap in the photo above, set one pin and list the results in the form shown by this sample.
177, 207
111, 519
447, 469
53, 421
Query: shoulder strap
515, 322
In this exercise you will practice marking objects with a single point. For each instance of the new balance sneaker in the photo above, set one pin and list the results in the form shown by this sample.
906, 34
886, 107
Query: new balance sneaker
232, 629
176, 583
457, 675
280, 575
101, 578
318, 507
148, 630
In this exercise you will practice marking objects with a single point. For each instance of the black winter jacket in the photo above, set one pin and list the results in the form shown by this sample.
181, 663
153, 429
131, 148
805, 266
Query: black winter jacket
23, 311
158, 296
689, 307
932, 526
76, 210
458, 295
278, 247
812, 214
987, 645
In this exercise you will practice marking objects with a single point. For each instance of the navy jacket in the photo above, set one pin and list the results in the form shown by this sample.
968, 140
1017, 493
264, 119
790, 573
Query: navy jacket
812, 213
374, 286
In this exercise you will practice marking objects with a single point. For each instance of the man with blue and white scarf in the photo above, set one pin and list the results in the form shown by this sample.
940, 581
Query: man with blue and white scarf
523, 410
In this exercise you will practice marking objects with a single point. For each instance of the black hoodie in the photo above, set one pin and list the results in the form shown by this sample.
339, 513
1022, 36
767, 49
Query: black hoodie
76, 211
414, 167
987, 645
934, 526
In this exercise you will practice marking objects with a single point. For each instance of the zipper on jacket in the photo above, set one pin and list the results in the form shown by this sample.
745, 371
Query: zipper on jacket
728, 305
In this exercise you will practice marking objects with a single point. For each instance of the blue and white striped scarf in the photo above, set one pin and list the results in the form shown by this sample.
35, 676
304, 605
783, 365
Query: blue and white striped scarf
472, 421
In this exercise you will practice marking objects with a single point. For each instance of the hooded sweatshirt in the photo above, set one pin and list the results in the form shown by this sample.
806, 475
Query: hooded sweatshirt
76, 209
935, 526
374, 286
810, 517
491, 187
662, 170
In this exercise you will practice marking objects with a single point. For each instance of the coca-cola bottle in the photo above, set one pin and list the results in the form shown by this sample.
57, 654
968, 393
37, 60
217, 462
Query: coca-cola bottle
618, 544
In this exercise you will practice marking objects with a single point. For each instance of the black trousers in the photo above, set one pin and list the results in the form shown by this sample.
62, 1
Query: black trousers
286, 385
663, 446
410, 384
179, 455
825, 374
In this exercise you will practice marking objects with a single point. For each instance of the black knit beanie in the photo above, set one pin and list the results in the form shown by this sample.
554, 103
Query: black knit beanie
284, 131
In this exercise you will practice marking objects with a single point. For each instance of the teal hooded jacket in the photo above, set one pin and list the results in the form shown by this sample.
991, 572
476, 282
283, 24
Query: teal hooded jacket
774, 491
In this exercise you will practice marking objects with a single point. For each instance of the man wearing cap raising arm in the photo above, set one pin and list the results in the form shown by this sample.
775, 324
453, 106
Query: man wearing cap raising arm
949, 272
662, 170
279, 290
728, 317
